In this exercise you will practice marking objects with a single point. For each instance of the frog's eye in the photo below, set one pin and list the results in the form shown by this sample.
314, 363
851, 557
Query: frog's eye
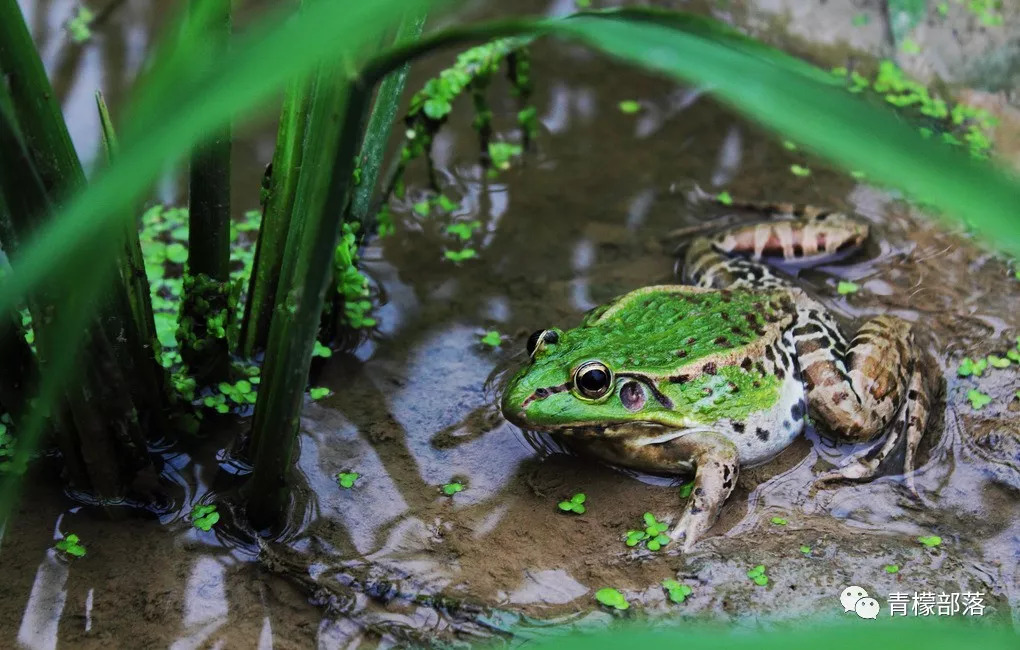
593, 379
540, 337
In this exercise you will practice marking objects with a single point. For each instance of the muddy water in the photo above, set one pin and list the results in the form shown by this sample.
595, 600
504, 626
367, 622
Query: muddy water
576, 222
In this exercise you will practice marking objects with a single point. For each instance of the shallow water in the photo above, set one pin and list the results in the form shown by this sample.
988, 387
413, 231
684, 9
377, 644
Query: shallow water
577, 222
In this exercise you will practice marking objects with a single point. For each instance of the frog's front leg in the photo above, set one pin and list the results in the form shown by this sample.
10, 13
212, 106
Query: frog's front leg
882, 376
714, 458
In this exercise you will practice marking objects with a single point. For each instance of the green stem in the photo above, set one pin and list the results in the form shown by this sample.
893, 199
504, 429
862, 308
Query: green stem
335, 113
380, 125
205, 307
276, 215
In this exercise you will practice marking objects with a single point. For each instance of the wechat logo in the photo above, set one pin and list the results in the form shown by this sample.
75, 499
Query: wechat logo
856, 599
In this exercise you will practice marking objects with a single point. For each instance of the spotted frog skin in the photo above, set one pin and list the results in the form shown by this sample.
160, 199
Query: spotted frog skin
721, 372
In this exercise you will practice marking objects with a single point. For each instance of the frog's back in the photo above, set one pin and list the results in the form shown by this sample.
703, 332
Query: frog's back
655, 329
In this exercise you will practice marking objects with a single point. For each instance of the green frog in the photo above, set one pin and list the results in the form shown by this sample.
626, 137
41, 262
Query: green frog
721, 372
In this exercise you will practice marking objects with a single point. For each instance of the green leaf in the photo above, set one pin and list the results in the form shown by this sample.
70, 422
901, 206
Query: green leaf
629, 106
452, 488
611, 598
892, 568
998, 362
799, 170
422, 207
318, 392
805, 549
492, 339
978, 400
686, 489
845, 287
321, 350
346, 479
779, 521
968, 367
930, 541
724, 198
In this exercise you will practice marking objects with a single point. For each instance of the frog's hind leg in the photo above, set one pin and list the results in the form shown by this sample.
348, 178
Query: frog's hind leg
881, 377
731, 259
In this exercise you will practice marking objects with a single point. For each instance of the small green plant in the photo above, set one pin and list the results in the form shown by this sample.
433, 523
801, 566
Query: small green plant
452, 488
931, 541
998, 362
346, 480
757, 575
492, 339
204, 516
318, 392
653, 535
629, 107
686, 489
978, 400
677, 591
461, 255
611, 598
779, 521
80, 27
575, 504
321, 351
71, 545
968, 367
805, 549
501, 152
463, 230
844, 287
724, 198
799, 170
240, 392
892, 568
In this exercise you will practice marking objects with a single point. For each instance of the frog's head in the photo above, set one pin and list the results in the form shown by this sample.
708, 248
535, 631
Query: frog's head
573, 381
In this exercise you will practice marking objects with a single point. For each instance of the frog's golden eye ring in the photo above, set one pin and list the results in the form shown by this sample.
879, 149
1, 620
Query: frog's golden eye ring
593, 379
539, 338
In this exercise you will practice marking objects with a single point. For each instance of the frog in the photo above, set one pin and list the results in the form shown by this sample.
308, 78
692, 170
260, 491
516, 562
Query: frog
724, 369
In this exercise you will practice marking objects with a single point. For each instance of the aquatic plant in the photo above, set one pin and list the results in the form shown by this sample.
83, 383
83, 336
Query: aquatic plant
612, 598
71, 545
677, 591
574, 504
204, 516
653, 534
758, 576
346, 480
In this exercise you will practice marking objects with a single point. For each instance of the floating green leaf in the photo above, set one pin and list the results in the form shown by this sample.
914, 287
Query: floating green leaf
686, 489
629, 106
493, 339
321, 350
71, 545
346, 479
757, 575
677, 591
805, 549
318, 392
203, 516
892, 568
799, 170
778, 521
611, 598
968, 367
452, 488
724, 198
930, 541
844, 287
575, 504
978, 400
998, 362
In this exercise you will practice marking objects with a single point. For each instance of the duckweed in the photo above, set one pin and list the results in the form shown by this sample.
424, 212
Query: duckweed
575, 504
611, 598
71, 545
204, 516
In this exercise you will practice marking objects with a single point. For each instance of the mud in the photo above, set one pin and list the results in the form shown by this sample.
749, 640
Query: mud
579, 221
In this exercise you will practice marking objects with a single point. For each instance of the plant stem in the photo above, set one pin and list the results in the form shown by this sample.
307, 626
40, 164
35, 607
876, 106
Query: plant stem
276, 215
205, 307
380, 125
336, 111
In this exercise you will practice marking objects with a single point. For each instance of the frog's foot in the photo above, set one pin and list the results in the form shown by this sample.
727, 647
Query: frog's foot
882, 376
730, 259
715, 459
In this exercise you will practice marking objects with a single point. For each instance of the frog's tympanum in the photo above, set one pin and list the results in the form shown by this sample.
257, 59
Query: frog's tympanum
722, 371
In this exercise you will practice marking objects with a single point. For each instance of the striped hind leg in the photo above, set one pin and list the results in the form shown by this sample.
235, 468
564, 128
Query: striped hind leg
882, 378
731, 259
